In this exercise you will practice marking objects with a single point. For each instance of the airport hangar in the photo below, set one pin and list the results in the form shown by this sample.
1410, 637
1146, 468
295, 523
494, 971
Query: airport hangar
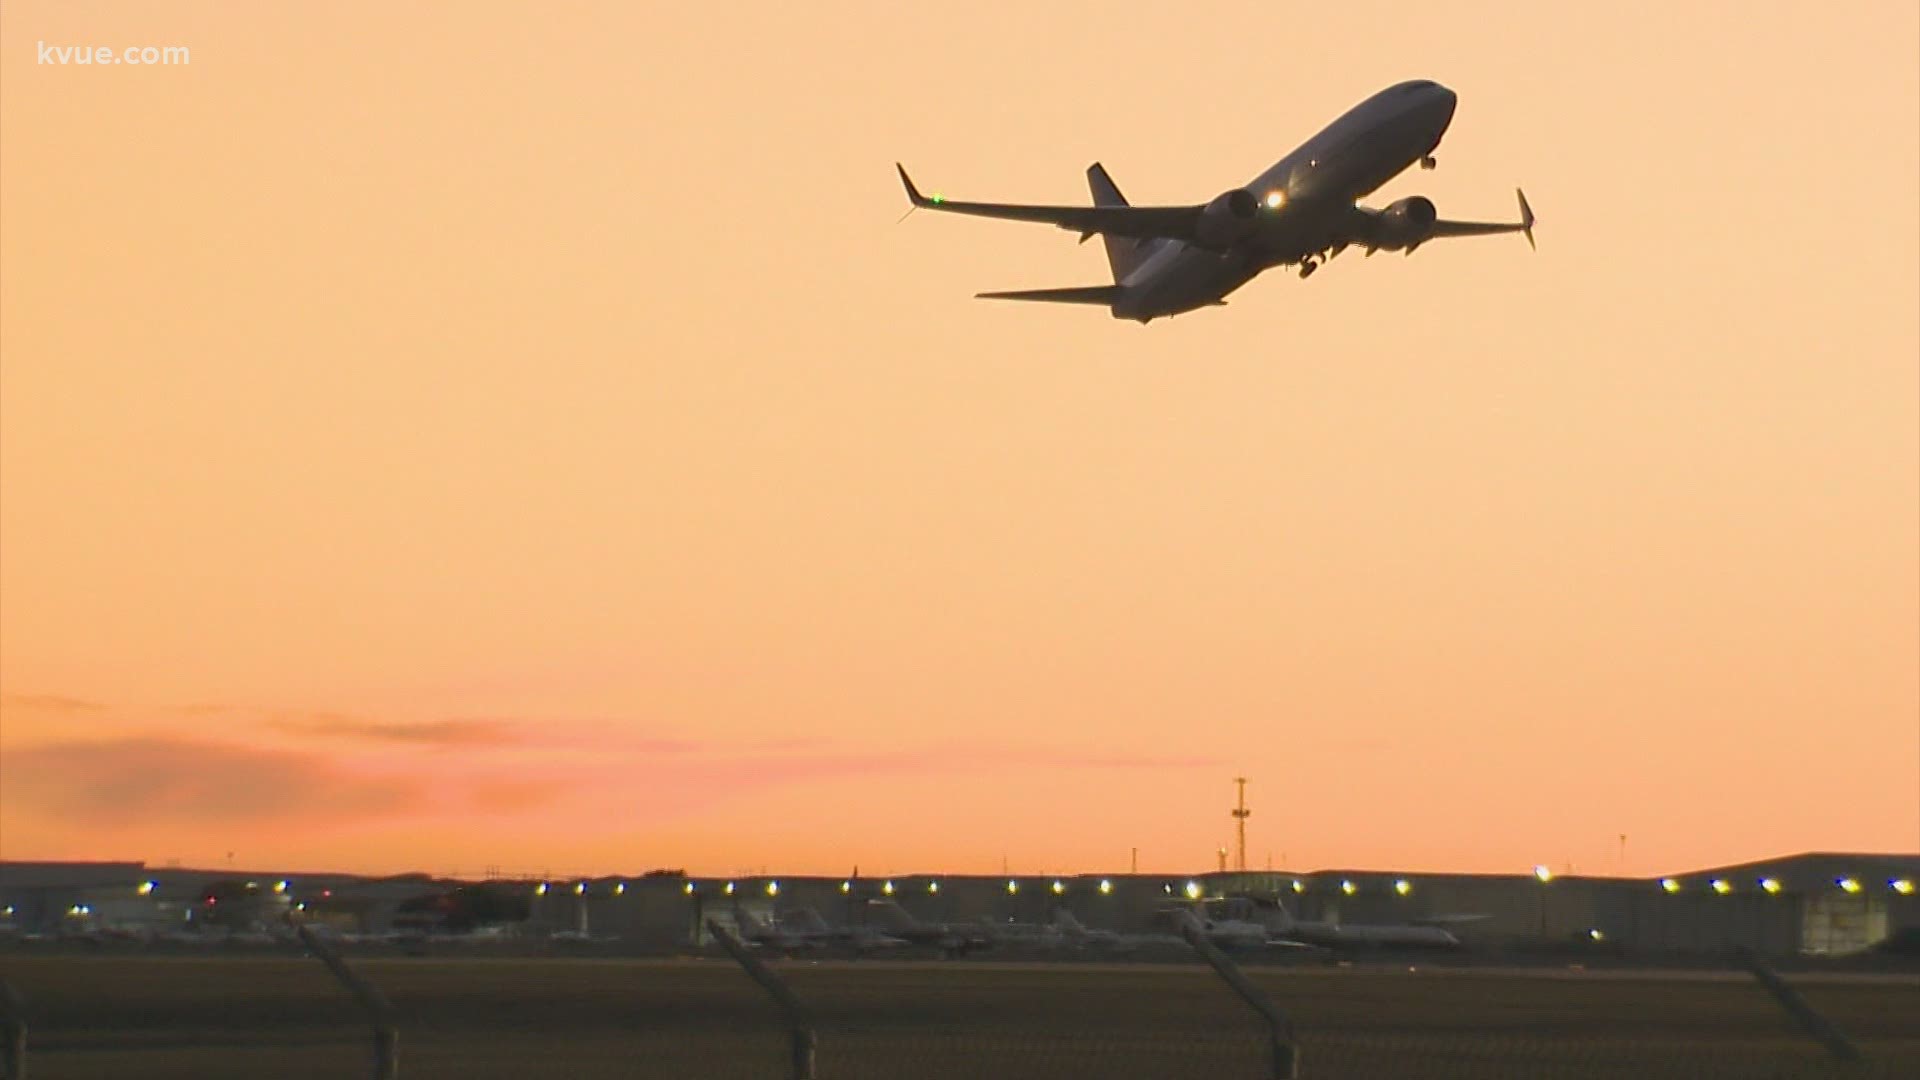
1819, 904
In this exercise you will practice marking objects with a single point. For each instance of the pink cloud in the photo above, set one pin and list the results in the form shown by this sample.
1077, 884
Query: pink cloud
142, 779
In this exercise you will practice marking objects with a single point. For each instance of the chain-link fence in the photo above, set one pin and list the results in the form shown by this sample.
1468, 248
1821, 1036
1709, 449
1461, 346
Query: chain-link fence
116, 1015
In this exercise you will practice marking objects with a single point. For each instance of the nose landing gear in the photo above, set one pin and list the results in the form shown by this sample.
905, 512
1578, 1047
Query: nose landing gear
1428, 162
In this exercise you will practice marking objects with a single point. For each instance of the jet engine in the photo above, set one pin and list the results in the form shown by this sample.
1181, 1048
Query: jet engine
1403, 226
1227, 220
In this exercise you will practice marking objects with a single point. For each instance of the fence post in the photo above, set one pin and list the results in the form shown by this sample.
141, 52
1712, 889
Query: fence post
798, 1023
1811, 1022
1286, 1053
13, 1033
386, 1037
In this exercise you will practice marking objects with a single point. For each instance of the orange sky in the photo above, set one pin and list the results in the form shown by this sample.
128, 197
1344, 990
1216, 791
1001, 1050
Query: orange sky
465, 436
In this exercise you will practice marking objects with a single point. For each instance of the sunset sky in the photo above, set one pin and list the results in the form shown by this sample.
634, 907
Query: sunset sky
483, 435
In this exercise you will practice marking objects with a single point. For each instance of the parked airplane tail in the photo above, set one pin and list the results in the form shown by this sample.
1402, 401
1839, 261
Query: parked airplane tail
807, 921
892, 916
1124, 254
1064, 919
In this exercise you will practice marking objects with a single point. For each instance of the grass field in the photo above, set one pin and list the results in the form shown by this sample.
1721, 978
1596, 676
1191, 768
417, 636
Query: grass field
126, 1016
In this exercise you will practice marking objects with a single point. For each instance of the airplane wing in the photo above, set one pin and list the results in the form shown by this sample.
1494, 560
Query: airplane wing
1136, 222
1486, 228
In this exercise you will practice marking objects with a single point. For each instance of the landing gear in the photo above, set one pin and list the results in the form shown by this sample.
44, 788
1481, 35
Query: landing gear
1428, 162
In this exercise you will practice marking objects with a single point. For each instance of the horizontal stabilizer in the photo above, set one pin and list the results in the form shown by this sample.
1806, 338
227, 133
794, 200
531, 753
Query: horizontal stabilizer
1082, 294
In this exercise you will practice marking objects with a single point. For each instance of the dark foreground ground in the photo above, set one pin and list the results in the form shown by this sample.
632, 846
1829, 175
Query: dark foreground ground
259, 1017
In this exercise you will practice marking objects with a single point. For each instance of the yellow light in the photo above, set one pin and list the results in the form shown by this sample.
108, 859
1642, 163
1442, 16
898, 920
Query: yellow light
1276, 199
1771, 885
1105, 886
280, 886
1669, 884
1543, 873
580, 888
688, 889
1720, 886
1403, 886
1848, 884
887, 888
1193, 890
620, 889
1903, 886
1299, 886
1596, 935
540, 889
1059, 887
1349, 887
846, 886
145, 888
1012, 887
728, 889
933, 886
773, 888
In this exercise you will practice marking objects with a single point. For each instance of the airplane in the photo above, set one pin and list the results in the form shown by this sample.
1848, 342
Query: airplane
1234, 933
954, 940
1301, 212
808, 924
1074, 933
1273, 915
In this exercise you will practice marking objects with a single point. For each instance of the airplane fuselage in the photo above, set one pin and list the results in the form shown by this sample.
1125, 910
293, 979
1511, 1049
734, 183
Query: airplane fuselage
1305, 198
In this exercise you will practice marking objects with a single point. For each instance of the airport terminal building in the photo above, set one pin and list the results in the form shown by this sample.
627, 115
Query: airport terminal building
1817, 904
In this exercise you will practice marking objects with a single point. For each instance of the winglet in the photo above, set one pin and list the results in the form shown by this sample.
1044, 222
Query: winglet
1526, 217
913, 193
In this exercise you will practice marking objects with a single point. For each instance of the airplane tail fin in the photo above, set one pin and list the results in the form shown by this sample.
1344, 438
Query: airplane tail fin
1103, 295
1064, 919
892, 915
807, 920
1124, 255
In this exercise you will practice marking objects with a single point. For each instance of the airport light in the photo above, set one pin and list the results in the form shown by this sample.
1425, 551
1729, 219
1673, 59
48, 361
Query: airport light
1596, 935
1059, 887
1349, 887
9, 910
579, 888
846, 887
773, 888
688, 889
1770, 885
1669, 884
1299, 886
887, 888
1193, 890
146, 888
1167, 887
280, 886
540, 889
1543, 872
1720, 886
620, 889
1903, 886
1012, 886
1106, 887
933, 887
1403, 886
1848, 884
728, 888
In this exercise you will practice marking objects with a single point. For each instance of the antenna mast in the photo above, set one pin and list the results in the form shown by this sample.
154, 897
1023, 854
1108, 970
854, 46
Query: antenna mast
1240, 816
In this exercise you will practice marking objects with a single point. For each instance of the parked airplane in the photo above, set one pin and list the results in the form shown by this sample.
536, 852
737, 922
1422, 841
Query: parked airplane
808, 923
1074, 933
1271, 914
952, 939
1301, 212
